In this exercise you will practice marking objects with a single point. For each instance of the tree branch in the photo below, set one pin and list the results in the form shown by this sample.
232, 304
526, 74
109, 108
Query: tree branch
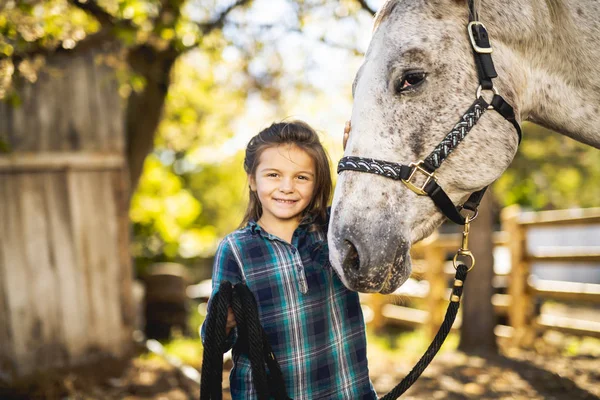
218, 22
92, 8
107, 20
38, 49
365, 6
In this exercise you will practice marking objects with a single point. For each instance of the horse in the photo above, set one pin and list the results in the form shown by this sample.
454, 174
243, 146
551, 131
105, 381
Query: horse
418, 76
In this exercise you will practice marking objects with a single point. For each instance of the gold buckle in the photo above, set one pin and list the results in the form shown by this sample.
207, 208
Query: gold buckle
484, 50
417, 167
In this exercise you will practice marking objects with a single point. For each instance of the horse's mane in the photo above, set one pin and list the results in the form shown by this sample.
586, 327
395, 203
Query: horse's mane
555, 8
389, 5
384, 11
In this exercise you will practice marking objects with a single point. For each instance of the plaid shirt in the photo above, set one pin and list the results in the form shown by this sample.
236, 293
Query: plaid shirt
314, 323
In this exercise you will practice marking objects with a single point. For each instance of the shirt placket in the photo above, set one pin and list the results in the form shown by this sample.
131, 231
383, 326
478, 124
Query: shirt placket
296, 260
298, 265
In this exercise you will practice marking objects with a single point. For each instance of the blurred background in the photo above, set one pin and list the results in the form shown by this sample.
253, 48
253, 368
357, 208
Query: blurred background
122, 129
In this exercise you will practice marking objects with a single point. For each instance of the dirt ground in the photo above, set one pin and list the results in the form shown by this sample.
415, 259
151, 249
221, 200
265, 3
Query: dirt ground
546, 372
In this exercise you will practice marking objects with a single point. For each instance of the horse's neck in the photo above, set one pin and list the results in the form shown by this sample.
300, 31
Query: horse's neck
551, 53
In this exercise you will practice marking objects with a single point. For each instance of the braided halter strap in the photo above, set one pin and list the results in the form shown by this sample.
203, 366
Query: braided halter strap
407, 174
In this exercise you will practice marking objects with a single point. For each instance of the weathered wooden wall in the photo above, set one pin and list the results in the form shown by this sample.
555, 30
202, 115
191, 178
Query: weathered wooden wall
65, 270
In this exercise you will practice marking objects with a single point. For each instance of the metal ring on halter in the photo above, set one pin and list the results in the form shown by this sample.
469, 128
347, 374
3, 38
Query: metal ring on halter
493, 89
470, 218
464, 253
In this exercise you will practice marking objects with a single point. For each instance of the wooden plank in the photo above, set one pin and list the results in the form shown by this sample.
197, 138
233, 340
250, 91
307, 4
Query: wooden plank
101, 260
95, 265
521, 312
405, 316
569, 325
560, 290
504, 331
64, 135
450, 242
5, 123
99, 102
580, 216
43, 112
77, 198
501, 303
411, 317
61, 240
110, 108
81, 118
581, 255
45, 340
7, 354
120, 191
93, 242
21, 162
108, 219
22, 323
17, 140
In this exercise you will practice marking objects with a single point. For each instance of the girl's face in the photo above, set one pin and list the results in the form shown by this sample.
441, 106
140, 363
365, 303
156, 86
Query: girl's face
284, 182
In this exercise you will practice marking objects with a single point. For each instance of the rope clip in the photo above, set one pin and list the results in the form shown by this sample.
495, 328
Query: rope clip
463, 251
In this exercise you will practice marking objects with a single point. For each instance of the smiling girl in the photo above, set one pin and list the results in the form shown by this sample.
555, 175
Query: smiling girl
314, 324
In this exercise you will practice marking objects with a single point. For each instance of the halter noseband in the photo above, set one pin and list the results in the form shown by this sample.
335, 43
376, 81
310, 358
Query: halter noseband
407, 173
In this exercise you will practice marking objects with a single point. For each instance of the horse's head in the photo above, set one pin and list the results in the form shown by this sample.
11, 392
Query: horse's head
417, 80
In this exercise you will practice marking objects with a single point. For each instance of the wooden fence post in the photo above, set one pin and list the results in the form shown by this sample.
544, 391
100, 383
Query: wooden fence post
520, 311
434, 273
376, 302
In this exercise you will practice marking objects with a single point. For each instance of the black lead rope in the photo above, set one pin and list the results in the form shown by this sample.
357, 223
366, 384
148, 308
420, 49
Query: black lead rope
253, 339
438, 340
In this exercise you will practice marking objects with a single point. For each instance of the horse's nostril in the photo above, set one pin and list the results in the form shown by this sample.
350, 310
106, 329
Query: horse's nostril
351, 260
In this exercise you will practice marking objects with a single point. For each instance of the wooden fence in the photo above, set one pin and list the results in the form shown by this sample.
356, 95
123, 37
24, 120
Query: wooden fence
65, 264
428, 290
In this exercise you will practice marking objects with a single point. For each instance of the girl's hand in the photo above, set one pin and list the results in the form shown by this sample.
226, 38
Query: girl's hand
347, 129
230, 321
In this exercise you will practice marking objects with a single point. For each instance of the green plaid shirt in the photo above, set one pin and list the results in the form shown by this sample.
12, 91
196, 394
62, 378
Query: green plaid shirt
314, 323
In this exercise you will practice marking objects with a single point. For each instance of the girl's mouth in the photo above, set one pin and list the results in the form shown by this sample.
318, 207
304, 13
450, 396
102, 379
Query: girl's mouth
283, 201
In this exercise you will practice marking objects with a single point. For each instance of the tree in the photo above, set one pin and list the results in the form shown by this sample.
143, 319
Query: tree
478, 316
174, 104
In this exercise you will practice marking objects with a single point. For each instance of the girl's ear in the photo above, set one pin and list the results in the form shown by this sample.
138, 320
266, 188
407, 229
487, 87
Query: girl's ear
252, 182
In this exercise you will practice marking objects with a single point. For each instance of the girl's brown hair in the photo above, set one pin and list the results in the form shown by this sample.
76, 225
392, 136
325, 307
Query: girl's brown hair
302, 135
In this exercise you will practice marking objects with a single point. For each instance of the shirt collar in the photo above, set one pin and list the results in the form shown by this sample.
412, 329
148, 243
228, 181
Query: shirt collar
257, 229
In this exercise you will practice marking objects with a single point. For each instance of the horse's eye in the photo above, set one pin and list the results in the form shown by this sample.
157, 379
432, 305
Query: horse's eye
409, 81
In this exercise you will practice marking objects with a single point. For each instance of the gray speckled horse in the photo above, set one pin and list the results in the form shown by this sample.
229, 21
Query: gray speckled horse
417, 79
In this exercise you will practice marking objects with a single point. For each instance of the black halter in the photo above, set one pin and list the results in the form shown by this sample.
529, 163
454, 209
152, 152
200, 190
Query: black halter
407, 173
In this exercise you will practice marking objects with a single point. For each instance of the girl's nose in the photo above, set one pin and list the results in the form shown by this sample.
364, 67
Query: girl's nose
286, 185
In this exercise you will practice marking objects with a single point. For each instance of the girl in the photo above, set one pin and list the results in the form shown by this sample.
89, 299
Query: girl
314, 324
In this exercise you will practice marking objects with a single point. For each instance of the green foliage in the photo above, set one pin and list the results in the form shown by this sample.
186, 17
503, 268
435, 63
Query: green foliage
550, 171
28, 29
191, 192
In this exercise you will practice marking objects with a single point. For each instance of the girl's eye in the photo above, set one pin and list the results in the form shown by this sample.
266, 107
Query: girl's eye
272, 175
409, 81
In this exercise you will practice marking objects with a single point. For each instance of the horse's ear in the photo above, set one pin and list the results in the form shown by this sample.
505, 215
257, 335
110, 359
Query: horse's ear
384, 11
